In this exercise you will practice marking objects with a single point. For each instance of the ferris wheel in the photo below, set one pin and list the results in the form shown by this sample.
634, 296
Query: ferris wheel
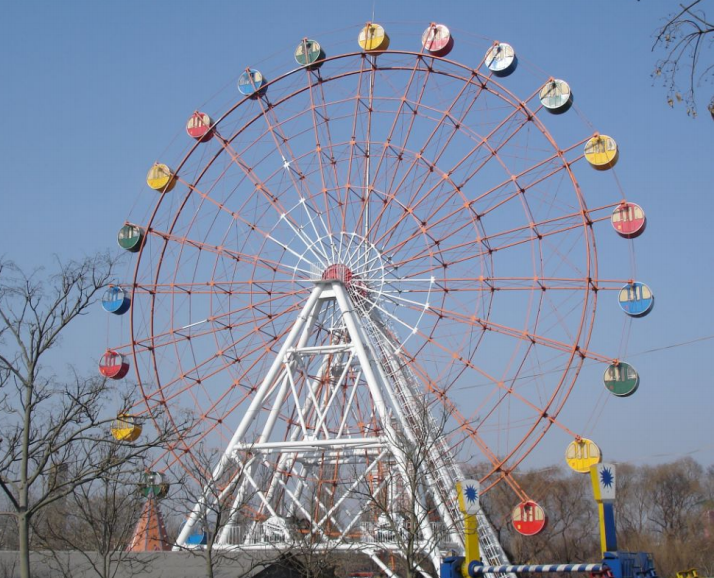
377, 242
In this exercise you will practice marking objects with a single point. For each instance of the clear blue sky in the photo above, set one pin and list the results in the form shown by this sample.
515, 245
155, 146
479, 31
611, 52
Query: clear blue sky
94, 92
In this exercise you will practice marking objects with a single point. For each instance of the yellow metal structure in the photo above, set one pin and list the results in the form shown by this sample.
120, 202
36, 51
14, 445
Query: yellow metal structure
372, 38
161, 178
689, 573
471, 545
601, 152
125, 428
603, 481
581, 454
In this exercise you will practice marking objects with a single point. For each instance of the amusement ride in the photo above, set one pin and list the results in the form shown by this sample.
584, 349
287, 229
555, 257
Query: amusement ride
371, 253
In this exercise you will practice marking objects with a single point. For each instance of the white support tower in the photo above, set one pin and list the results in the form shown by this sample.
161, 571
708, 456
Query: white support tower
339, 448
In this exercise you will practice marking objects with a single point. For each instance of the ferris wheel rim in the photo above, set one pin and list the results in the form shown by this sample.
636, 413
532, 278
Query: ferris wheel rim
541, 128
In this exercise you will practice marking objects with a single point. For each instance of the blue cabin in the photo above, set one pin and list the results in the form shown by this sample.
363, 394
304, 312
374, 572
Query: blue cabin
636, 299
197, 539
251, 83
116, 300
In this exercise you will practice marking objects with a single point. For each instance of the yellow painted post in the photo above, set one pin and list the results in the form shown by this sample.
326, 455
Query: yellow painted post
468, 493
603, 481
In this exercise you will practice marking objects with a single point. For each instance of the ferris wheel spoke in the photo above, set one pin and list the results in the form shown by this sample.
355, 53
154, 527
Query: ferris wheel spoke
519, 117
456, 121
521, 334
362, 220
483, 151
483, 141
390, 194
281, 212
245, 316
281, 142
233, 254
226, 288
365, 70
185, 383
480, 420
317, 92
486, 240
546, 418
554, 159
316, 248
428, 224
222, 208
418, 67
507, 183
389, 315
427, 218
413, 105
484, 284
470, 431
429, 221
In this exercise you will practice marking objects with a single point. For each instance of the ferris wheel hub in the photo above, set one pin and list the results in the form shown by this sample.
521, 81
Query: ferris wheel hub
338, 272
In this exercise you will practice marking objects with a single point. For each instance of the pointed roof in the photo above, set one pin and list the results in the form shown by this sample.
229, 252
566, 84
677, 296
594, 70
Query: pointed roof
150, 533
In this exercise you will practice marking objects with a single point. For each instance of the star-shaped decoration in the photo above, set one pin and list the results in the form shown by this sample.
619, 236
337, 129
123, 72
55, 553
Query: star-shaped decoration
607, 478
471, 494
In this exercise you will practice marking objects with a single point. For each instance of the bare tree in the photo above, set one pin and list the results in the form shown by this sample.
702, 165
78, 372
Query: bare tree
45, 420
97, 521
400, 498
312, 550
685, 65
8, 526
216, 511
675, 496
675, 507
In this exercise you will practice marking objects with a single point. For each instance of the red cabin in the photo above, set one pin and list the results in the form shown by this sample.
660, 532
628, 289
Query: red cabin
529, 518
199, 126
437, 40
113, 365
629, 220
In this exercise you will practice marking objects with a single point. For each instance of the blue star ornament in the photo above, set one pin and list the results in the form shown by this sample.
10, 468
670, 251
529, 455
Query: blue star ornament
606, 478
470, 490
471, 494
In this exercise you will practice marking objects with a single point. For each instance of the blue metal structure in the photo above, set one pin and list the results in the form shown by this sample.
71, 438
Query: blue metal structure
617, 564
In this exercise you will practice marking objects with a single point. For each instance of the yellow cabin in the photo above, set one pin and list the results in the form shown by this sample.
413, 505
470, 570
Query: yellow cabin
161, 178
601, 152
373, 38
581, 454
125, 428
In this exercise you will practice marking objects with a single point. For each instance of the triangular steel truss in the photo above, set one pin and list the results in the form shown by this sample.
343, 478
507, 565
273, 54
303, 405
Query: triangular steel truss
338, 448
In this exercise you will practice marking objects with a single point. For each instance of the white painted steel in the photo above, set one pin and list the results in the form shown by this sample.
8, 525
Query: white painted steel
373, 354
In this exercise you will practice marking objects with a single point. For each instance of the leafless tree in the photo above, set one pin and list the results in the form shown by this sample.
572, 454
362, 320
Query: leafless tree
8, 526
684, 40
46, 421
311, 551
218, 501
675, 495
675, 507
97, 521
401, 499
